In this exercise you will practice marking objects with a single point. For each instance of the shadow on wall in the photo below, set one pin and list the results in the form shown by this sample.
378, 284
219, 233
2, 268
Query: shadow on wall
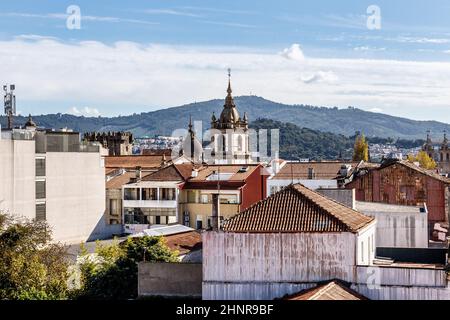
103, 231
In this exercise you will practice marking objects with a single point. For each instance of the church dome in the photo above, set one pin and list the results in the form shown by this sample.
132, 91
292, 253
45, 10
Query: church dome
30, 123
192, 147
229, 115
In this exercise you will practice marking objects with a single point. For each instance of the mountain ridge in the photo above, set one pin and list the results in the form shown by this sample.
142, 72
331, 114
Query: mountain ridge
326, 119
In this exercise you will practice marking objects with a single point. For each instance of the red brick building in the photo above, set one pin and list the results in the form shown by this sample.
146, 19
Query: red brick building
403, 183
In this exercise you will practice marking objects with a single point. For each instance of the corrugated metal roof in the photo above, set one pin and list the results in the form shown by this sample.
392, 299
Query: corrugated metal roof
155, 231
297, 209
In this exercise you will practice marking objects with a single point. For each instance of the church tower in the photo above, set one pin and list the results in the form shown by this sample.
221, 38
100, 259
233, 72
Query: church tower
192, 147
229, 133
444, 150
428, 146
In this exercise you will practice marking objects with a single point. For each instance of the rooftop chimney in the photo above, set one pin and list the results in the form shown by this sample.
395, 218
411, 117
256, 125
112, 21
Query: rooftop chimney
138, 173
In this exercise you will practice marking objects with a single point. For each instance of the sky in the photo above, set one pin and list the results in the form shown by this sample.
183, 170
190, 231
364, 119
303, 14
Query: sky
123, 57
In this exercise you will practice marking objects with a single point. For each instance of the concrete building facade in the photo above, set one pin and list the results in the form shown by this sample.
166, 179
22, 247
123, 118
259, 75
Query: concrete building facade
48, 175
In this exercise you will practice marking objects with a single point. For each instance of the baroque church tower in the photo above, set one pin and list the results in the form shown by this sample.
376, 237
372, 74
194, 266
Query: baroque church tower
229, 134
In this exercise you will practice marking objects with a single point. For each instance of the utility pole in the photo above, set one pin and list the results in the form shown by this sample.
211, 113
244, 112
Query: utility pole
216, 205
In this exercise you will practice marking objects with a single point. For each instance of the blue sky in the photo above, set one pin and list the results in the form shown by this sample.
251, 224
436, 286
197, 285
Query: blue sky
138, 56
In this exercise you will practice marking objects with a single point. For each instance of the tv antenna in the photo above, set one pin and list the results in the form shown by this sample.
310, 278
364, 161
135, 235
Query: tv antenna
9, 103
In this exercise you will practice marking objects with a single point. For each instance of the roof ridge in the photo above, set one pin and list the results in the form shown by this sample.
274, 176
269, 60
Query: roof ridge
333, 201
255, 204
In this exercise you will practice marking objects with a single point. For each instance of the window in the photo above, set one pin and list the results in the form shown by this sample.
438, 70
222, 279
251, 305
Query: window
199, 222
240, 143
135, 216
204, 198
150, 194
362, 251
40, 190
191, 196
131, 194
167, 193
311, 174
157, 219
228, 198
41, 212
40, 167
113, 207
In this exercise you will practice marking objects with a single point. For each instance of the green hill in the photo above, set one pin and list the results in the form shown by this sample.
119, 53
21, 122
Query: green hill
163, 122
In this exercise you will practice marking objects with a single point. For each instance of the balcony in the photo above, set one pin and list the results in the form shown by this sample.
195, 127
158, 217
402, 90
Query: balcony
170, 204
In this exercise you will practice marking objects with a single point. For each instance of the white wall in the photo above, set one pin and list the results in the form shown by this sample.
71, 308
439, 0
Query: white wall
366, 245
233, 260
17, 177
75, 184
311, 184
398, 226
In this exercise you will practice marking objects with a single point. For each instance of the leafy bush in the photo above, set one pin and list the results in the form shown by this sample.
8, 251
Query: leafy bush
30, 266
111, 273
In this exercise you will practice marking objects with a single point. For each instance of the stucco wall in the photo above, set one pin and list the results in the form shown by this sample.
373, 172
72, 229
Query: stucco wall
170, 279
75, 184
17, 177
398, 226
344, 196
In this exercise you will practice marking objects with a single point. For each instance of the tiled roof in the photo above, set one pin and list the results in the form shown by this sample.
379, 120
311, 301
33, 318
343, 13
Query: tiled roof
322, 170
118, 181
184, 242
334, 290
157, 152
173, 172
131, 162
297, 209
205, 171
429, 173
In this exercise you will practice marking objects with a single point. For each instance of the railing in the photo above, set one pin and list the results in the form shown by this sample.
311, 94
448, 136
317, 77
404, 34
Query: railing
150, 203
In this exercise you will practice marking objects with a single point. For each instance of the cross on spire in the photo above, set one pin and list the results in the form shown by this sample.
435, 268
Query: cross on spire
229, 82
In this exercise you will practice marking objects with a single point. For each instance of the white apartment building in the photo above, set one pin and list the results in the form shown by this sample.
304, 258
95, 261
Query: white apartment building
153, 199
48, 175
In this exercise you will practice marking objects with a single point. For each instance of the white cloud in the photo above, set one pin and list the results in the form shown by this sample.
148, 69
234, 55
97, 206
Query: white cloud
367, 48
62, 16
376, 110
320, 76
127, 77
86, 111
403, 39
294, 52
171, 12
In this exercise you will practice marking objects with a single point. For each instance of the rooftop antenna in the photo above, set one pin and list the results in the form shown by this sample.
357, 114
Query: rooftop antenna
9, 103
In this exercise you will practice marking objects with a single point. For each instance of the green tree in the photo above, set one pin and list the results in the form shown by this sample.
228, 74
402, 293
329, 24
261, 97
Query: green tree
361, 148
111, 273
424, 160
30, 266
